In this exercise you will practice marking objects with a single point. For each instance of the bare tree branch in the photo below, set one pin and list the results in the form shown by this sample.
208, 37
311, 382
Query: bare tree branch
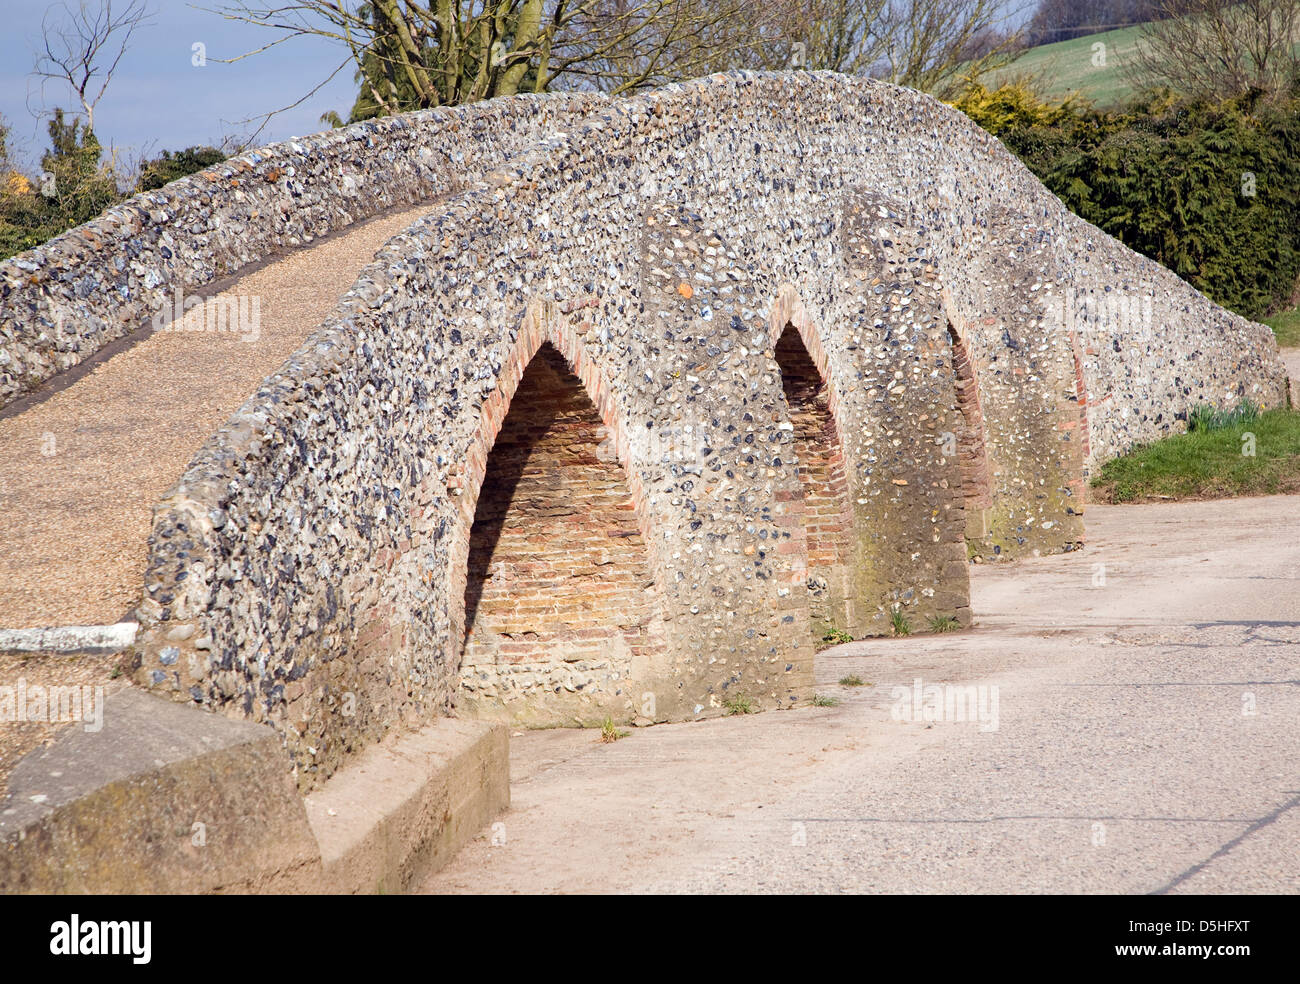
1217, 49
83, 47
413, 54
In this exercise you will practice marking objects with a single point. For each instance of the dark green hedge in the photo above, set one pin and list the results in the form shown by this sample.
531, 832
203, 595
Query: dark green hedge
1171, 180
173, 165
85, 188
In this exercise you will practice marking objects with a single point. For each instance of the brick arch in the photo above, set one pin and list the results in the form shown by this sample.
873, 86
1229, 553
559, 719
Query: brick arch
972, 448
1079, 484
572, 537
826, 508
541, 323
788, 309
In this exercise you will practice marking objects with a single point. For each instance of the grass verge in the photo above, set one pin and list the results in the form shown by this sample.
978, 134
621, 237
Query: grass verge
1209, 462
1286, 326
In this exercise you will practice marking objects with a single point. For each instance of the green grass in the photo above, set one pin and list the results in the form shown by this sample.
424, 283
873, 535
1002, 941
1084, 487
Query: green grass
853, 680
1207, 462
901, 624
1204, 417
837, 637
1064, 67
740, 704
943, 623
611, 732
821, 700
1286, 326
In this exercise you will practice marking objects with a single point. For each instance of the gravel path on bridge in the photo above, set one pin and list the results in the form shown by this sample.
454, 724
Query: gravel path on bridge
1148, 740
81, 471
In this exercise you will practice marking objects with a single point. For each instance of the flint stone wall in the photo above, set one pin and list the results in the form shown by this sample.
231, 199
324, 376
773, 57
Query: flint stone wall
65, 300
1151, 346
309, 568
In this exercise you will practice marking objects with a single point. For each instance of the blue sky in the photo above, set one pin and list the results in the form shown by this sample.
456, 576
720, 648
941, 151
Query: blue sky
158, 99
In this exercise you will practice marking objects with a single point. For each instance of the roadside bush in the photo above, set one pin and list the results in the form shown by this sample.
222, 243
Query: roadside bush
1211, 191
172, 165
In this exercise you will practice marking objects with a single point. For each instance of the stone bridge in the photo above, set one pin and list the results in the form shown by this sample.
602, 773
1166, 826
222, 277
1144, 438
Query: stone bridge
655, 393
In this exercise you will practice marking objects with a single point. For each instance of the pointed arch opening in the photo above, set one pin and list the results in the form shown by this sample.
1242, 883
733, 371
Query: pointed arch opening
560, 603
827, 514
972, 453
1079, 486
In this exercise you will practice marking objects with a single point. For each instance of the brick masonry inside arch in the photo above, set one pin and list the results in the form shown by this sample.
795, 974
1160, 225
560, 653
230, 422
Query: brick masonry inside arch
972, 453
1080, 486
827, 513
560, 608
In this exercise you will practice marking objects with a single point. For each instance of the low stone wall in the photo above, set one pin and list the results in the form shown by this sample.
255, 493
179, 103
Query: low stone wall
312, 567
1151, 347
63, 301
153, 797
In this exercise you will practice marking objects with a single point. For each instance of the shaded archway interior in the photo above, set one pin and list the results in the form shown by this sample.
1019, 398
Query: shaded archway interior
557, 598
1085, 440
972, 453
826, 510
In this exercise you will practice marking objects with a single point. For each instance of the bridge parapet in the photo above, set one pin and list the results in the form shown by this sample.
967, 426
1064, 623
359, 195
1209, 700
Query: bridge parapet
63, 301
308, 569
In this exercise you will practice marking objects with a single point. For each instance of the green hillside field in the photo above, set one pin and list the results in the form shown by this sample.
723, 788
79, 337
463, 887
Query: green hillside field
1064, 67
1067, 66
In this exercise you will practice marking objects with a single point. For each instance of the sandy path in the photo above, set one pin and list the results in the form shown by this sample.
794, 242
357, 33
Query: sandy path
81, 471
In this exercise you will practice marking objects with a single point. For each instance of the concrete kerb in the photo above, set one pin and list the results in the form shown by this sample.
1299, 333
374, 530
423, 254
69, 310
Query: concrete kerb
70, 639
403, 809
165, 798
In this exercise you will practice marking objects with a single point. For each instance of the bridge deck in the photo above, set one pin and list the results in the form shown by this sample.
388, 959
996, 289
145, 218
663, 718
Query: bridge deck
81, 470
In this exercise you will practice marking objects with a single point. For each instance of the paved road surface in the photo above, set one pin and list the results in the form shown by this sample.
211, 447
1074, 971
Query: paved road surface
1147, 740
